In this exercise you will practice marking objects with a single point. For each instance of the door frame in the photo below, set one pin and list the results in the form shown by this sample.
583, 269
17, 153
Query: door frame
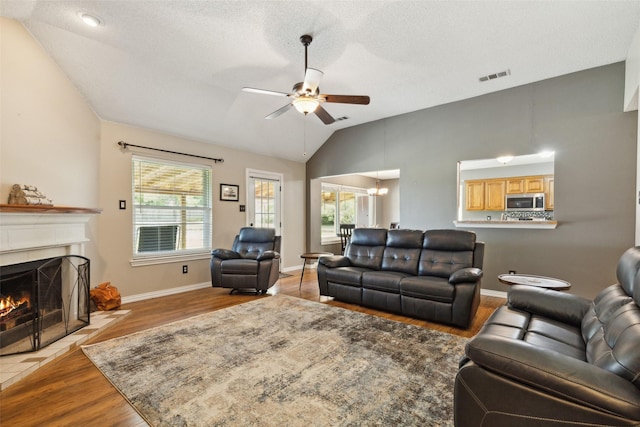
275, 176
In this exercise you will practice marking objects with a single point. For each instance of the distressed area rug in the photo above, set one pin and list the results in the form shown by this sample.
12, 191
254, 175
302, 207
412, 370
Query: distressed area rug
284, 361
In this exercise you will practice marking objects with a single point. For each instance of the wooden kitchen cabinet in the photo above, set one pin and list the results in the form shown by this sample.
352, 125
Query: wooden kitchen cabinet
515, 185
534, 184
474, 195
494, 191
485, 195
549, 192
525, 184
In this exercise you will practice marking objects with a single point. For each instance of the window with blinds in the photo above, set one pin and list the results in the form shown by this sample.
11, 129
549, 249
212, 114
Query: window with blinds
172, 207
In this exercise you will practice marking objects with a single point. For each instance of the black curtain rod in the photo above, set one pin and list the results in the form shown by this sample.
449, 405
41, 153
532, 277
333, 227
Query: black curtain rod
126, 144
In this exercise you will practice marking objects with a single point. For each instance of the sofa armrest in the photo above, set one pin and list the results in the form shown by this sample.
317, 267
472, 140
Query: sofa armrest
334, 261
268, 255
561, 306
553, 373
225, 254
465, 275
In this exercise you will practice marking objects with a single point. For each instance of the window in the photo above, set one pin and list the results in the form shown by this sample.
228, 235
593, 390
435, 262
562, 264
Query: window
172, 208
342, 205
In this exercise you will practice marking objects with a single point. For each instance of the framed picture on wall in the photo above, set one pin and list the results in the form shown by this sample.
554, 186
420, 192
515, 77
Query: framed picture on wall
229, 192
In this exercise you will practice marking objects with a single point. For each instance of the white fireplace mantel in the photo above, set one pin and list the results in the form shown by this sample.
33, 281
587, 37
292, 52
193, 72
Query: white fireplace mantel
30, 233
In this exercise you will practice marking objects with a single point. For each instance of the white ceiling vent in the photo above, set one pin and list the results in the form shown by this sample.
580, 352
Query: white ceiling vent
338, 119
495, 75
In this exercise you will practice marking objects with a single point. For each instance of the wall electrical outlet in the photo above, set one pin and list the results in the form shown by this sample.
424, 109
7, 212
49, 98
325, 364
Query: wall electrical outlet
185, 269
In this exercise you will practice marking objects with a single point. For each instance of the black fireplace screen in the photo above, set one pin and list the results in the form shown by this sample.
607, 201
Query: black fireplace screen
42, 301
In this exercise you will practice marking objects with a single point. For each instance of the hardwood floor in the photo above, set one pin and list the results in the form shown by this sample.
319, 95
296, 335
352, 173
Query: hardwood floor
71, 392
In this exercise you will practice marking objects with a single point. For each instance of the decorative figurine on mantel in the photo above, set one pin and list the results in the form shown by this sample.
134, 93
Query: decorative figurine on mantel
28, 195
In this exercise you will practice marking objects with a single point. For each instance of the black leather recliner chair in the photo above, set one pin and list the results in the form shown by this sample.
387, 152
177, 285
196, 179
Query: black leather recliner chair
252, 264
551, 358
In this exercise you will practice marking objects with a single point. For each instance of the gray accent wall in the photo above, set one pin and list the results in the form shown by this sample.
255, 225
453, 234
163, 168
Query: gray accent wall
578, 115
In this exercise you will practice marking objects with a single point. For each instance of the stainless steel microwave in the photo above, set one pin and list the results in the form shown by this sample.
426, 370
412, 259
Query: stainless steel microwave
525, 202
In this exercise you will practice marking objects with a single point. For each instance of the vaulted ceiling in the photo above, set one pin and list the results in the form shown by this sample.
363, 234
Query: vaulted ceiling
178, 66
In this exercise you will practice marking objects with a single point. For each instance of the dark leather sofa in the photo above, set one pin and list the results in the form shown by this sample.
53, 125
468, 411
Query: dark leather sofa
252, 264
433, 275
550, 358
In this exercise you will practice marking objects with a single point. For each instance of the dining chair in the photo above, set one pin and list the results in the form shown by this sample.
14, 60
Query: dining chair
345, 234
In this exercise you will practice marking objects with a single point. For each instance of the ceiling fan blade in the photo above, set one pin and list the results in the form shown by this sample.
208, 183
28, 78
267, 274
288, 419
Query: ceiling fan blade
324, 115
311, 80
347, 99
279, 112
264, 91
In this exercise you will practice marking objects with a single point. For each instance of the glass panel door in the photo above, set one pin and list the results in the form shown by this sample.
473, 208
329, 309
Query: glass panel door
263, 201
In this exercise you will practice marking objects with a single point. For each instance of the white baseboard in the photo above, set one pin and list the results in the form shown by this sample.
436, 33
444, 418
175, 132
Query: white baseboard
180, 289
490, 293
165, 292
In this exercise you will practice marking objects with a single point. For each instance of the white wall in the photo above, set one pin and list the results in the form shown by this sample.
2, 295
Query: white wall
49, 135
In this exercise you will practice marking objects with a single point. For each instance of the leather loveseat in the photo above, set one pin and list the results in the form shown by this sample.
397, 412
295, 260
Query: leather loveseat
252, 264
551, 358
433, 275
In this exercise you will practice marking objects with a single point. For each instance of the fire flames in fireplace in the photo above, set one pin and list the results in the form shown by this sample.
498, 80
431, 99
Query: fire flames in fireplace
9, 306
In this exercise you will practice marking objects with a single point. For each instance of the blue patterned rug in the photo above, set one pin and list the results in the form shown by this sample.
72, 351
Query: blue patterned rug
280, 360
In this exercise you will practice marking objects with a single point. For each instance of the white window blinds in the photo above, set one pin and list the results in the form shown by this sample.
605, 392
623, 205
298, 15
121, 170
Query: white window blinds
172, 207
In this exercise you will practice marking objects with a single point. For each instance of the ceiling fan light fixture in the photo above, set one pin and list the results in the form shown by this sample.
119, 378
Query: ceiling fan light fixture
305, 104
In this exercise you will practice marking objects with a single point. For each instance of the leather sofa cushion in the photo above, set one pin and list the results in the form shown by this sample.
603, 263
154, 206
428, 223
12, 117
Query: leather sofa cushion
561, 332
427, 287
252, 250
366, 247
351, 276
536, 330
225, 254
561, 306
253, 242
549, 343
404, 239
257, 235
388, 281
628, 266
365, 256
605, 304
443, 263
449, 240
404, 260
239, 266
369, 237
615, 346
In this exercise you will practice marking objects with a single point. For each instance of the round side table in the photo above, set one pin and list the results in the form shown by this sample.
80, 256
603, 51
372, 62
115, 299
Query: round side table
537, 281
310, 256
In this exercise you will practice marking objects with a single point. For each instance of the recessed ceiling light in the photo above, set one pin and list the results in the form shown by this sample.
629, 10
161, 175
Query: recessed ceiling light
90, 20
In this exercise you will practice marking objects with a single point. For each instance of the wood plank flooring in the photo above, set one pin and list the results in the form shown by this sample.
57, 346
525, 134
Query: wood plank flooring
71, 392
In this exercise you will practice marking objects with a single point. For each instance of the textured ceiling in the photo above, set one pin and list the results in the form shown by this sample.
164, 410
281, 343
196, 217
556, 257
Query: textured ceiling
178, 66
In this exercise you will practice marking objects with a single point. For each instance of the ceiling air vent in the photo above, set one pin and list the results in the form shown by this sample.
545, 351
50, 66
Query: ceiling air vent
342, 118
495, 75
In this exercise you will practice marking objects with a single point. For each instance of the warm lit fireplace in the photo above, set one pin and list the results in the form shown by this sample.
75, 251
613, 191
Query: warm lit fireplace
42, 301
44, 276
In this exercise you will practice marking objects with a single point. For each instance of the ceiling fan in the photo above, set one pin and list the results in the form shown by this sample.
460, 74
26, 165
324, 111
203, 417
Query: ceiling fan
306, 96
